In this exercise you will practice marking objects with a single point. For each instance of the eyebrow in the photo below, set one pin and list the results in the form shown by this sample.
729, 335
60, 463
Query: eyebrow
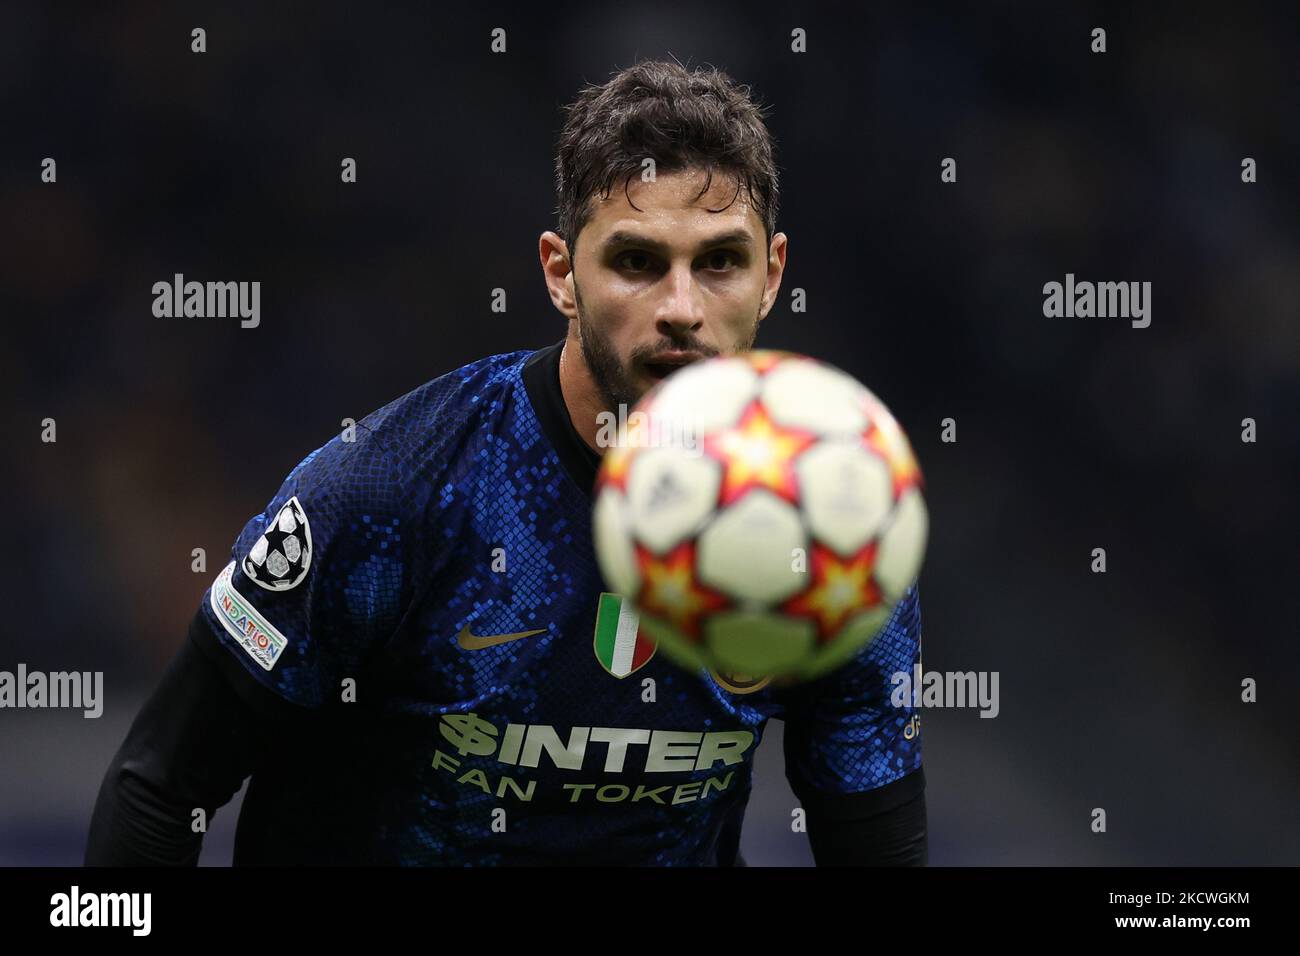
737, 237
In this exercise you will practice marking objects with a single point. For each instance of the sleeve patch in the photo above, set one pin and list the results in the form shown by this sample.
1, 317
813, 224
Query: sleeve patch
255, 634
281, 557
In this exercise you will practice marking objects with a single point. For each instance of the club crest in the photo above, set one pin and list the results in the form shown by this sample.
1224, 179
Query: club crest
739, 683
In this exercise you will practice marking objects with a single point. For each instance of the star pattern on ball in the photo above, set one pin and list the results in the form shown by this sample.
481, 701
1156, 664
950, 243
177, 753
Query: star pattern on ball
670, 590
884, 437
839, 589
757, 453
616, 465
763, 361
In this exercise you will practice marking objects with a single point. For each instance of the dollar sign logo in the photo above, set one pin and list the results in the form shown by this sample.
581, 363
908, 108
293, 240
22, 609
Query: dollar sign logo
469, 734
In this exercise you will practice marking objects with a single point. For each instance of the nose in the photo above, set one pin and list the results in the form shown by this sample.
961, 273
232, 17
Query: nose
682, 312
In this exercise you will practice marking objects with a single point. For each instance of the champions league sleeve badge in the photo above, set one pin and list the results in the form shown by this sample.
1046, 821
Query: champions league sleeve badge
282, 555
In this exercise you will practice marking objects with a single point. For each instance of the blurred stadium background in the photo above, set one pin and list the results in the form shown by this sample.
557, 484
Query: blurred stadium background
1118, 690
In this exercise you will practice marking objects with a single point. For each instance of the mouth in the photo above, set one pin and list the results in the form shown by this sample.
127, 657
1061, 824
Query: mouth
660, 366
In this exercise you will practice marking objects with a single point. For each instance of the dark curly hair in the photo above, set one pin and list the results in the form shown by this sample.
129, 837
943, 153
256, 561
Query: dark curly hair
681, 119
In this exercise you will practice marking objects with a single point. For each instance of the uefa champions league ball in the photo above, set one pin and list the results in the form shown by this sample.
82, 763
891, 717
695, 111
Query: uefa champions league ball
763, 512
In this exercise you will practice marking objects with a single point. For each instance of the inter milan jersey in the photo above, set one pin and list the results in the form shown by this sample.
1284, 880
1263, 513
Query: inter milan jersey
460, 687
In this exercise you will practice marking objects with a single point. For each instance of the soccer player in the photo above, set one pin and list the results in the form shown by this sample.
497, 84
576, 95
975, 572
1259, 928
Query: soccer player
411, 652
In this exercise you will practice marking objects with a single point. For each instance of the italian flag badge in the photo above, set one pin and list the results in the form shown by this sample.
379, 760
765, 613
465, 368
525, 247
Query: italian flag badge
620, 646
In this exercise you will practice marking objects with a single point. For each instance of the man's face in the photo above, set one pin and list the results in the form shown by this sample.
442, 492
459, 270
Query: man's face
669, 282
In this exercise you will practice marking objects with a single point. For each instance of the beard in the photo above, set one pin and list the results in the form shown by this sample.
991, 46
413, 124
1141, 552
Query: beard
615, 379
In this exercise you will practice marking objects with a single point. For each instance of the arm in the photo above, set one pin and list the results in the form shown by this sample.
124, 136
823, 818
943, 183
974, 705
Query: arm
889, 829
192, 745
853, 755
264, 652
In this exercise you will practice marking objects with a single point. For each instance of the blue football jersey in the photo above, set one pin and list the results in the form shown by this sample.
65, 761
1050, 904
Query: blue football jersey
459, 687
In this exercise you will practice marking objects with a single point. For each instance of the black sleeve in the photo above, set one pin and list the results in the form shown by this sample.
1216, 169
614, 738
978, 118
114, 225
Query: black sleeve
885, 827
192, 745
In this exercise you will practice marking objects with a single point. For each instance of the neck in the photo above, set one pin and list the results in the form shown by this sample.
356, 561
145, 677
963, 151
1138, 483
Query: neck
581, 397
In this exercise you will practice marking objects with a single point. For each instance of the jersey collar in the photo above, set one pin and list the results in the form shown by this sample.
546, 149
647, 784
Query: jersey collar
541, 376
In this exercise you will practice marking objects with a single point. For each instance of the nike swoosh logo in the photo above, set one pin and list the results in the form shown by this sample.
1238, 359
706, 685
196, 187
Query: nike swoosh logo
473, 642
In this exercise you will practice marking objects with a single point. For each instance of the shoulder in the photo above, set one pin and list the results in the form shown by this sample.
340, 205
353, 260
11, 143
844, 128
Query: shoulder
456, 398
350, 501
396, 453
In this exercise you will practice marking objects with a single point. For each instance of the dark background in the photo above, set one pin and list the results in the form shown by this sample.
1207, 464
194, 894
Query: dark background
1119, 690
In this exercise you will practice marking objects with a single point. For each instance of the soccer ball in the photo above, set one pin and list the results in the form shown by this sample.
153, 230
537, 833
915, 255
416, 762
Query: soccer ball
763, 512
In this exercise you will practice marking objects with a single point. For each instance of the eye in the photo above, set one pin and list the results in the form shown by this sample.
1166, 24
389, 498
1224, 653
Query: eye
720, 260
633, 261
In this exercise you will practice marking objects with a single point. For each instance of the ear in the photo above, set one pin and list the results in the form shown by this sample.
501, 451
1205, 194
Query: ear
557, 270
775, 269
